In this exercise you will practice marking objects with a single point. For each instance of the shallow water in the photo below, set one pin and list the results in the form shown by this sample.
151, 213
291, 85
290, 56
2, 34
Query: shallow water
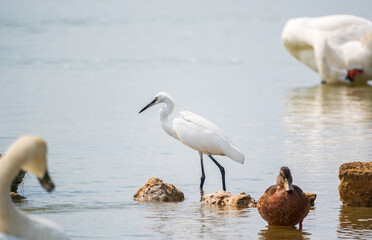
77, 73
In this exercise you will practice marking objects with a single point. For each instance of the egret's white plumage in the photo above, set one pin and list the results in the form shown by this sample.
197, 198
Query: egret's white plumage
195, 131
29, 154
203, 136
335, 46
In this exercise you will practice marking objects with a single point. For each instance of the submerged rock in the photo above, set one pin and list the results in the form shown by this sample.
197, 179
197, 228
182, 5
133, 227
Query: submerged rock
355, 187
312, 197
14, 188
155, 190
222, 198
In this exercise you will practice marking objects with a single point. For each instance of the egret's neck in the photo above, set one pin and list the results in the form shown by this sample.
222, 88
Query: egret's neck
163, 117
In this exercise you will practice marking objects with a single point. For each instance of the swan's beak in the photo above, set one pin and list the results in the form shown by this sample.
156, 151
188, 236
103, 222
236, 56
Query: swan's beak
148, 105
351, 74
288, 186
46, 182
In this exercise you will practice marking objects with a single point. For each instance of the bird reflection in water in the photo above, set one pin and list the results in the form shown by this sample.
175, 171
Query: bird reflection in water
280, 232
324, 105
317, 118
326, 125
195, 220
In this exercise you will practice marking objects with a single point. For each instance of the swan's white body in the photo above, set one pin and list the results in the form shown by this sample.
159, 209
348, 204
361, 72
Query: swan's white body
27, 153
331, 45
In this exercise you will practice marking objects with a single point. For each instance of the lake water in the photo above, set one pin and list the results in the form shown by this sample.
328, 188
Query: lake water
78, 72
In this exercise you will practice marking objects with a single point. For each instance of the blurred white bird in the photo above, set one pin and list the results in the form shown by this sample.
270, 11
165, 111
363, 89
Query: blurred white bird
197, 133
29, 154
339, 47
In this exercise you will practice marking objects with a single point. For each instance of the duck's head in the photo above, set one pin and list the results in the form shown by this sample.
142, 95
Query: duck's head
284, 179
31, 153
159, 98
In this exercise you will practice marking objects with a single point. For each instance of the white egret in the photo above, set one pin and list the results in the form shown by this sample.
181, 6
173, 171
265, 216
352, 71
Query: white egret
29, 154
339, 47
197, 133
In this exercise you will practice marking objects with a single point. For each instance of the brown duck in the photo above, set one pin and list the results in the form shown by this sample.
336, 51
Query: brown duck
284, 204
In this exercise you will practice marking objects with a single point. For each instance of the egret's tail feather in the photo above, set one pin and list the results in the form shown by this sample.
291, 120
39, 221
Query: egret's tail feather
235, 154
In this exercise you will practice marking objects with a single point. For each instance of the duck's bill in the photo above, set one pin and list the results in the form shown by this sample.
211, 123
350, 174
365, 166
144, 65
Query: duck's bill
46, 182
288, 186
148, 105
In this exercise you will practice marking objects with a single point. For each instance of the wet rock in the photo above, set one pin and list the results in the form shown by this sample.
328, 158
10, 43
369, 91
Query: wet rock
155, 190
312, 197
355, 187
14, 188
16, 197
17, 181
222, 198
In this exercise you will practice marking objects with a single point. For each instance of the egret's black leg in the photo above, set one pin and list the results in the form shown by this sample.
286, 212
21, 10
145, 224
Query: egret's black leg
222, 171
202, 179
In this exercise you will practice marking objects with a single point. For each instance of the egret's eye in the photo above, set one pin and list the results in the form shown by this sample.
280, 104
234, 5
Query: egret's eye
156, 98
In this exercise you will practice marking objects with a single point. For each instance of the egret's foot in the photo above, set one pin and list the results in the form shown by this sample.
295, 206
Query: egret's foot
201, 194
202, 179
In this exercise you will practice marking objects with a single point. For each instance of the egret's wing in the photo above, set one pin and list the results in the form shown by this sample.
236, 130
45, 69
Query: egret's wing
202, 122
202, 135
197, 137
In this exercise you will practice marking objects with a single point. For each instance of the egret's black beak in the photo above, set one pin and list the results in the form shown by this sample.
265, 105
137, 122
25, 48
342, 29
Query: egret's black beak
148, 105
46, 182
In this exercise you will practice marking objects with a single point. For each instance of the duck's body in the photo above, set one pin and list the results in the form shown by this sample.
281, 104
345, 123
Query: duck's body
283, 206
339, 47
27, 153
196, 132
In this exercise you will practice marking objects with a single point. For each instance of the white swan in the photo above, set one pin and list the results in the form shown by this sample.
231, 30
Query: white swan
339, 47
29, 154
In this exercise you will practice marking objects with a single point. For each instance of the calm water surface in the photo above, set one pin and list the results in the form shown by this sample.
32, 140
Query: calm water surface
77, 73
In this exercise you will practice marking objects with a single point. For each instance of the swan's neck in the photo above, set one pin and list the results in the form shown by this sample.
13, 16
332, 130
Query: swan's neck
325, 55
163, 117
367, 40
9, 168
